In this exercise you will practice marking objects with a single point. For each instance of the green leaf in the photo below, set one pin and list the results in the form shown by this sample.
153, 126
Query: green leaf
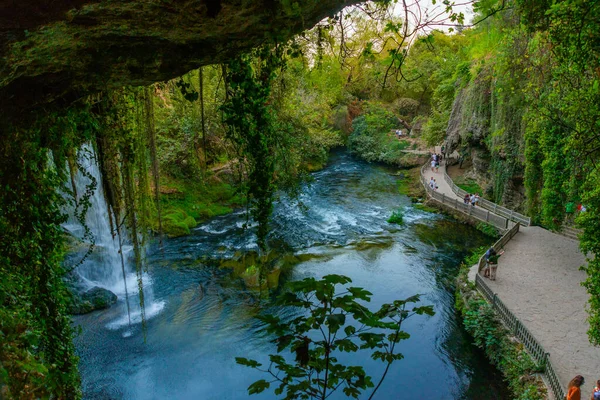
360, 293
349, 330
335, 321
247, 362
258, 387
336, 279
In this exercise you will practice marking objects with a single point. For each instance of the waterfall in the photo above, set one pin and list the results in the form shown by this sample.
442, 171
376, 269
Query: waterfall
103, 267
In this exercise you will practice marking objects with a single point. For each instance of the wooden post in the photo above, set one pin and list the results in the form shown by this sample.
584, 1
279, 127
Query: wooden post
487, 217
443, 198
495, 207
511, 214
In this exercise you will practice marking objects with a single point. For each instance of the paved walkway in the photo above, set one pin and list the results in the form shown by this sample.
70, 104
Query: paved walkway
539, 280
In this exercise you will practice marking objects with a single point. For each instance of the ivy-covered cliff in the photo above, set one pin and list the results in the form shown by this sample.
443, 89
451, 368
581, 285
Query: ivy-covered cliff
526, 111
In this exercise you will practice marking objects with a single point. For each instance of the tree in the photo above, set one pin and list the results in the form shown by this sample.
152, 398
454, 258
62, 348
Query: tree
329, 323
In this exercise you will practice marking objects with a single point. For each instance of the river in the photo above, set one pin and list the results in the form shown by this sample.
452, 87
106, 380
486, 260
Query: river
201, 316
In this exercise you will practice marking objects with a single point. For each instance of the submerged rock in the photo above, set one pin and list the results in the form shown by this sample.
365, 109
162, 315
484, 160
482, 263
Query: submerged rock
96, 298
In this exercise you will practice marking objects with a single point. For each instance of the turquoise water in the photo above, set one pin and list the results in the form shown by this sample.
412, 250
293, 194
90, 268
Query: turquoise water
202, 314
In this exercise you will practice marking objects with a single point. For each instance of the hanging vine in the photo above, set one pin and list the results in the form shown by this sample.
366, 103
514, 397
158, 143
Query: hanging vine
249, 117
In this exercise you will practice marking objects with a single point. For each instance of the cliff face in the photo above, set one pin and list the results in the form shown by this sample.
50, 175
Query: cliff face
58, 51
486, 123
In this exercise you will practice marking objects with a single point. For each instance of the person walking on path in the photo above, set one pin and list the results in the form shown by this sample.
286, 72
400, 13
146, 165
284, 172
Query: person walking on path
467, 198
574, 389
432, 164
472, 199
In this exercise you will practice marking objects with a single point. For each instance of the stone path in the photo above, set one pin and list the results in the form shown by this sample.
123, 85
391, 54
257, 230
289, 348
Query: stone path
539, 280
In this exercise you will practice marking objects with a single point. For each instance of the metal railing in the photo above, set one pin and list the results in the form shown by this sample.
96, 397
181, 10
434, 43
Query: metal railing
491, 206
514, 325
475, 212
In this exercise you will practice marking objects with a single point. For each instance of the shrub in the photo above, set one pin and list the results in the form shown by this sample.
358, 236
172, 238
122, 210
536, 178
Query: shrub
397, 217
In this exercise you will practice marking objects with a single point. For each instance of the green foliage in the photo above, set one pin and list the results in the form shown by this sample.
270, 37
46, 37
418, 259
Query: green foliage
474, 257
251, 125
511, 358
37, 356
487, 229
326, 323
371, 139
397, 217
468, 185
590, 245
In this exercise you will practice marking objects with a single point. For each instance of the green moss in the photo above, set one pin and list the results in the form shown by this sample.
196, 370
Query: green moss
426, 208
185, 203
410, 184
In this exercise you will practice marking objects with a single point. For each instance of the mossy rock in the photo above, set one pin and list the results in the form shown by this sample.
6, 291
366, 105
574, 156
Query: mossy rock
177, 223
96, 298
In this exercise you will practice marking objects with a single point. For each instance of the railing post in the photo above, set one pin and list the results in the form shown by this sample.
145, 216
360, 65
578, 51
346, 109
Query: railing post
487, 217
455, 203
443, 198
494, 299
495, 207
511, 214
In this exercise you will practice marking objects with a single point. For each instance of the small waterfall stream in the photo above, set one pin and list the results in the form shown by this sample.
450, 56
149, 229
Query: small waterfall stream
104, 268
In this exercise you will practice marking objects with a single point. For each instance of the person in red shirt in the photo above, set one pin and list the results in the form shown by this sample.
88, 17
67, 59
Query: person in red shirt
574, 389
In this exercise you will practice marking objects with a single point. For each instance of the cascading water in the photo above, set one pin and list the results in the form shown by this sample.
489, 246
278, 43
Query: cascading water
104, 267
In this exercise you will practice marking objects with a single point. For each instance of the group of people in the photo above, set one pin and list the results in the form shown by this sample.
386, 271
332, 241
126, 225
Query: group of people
436, 159
574, 389
471, 198
491, 263
433, 184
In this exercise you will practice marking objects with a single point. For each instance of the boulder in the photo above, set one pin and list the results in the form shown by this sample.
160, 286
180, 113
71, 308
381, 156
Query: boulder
96, 298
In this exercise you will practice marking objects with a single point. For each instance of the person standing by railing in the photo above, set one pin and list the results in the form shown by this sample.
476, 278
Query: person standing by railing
491, 263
